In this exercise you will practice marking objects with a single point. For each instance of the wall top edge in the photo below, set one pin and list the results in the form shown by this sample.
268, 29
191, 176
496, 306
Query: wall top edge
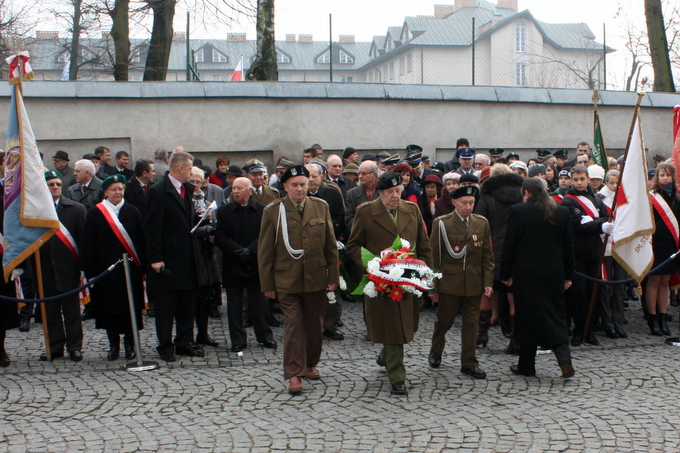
326, 90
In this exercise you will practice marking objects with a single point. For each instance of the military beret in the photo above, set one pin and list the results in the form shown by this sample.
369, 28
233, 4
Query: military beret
465, 191
254, 167
465, 153
561, 154
113, 179
90, 156
543, 152
348, 152
496, 152
468, 177
389, 180
369, 156
297, 170
51, 174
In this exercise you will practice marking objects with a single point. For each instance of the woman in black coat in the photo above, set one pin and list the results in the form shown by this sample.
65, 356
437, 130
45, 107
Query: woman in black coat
102, 247
538, 285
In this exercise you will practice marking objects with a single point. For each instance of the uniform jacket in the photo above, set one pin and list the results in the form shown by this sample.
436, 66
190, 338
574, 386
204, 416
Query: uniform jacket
168, 222
88, 197
389, 322
268, 195
60, 269
313, 233
466, 276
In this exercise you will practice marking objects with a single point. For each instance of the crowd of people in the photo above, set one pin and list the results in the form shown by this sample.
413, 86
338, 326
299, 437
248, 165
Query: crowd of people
513, 241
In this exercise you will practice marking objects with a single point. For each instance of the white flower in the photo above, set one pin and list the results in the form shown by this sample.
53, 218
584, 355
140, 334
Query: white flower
411, 289
370, 290
396, 272
343, 284
373, 266
405, 243
331, 297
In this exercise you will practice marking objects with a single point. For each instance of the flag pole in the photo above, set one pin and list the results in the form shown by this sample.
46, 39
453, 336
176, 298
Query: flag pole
593, 295
41, 295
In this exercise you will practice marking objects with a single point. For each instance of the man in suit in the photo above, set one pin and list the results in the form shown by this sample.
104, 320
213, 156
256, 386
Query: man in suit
466, 157
298, 262
104, 158
336, 206
363, 192
461, 245
122, 161
61, 273
60, 161
376, 226
172, 280
160, 163
236, 234
254, 171
335, 175
138, 186
87, 187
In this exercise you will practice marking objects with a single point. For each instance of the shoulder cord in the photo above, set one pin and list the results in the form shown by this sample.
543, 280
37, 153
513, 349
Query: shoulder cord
283, 222
444, 238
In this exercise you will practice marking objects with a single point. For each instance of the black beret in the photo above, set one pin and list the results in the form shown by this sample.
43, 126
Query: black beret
234, 170
468, 177
113, 179
297, 170
465, 191
389, 180
51, 174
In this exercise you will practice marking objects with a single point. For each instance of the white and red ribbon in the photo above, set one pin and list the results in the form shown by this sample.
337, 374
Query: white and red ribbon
120, 232
587, 205
19, 68
666, 215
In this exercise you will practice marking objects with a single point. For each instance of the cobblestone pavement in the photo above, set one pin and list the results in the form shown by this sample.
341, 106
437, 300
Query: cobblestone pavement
624, 398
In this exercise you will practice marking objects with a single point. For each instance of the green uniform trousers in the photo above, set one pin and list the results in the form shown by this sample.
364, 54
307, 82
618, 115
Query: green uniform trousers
393, 357
449, 307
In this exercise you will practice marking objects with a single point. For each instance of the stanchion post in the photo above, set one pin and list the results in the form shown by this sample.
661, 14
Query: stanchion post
140, 365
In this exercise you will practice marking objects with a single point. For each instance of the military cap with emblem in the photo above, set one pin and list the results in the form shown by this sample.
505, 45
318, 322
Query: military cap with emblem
561, 154
496, 152
254, 166
543, 153
511, 155
414, 159
465, 153
51, 174
391, 160
389, 180
112, 180
369, 156
465, 191
297, 170
410, 149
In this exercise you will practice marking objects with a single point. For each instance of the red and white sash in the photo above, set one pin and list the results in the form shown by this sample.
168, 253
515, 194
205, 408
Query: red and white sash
587, 205
557, 197
68, 240
119, 231
664, 211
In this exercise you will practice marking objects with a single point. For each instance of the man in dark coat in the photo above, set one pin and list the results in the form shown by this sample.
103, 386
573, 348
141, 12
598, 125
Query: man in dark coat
61, 273
172, 279
236, 234
86, 190
122, 161
138, 186
539, 284
335, 175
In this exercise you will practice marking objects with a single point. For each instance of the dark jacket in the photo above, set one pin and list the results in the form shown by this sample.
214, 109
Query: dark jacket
134, 194
344, 183
168, 222
336, 206
587, 240
88, 197
237, 228
497, 195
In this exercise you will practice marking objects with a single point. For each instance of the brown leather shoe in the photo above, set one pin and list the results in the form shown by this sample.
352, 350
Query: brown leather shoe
567, 371
295, 385
313, 373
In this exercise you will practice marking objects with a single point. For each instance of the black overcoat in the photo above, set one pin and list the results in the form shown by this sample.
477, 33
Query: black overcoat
539, 257
134, 194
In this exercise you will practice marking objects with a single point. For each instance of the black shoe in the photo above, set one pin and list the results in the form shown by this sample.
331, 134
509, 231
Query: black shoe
151, 313
434, 359
238, 347
515, 370
348, 297
25, 325
247, 322
611, 333
341, 324
168, 357
476, 373
88, 313
55, 355
567, 371
334, 334
270, 344
273, 322
113, 353
380, 362
206, 340
398, 388
76, 356
576, 340
591, 340
130, 353
190, 350
621, 334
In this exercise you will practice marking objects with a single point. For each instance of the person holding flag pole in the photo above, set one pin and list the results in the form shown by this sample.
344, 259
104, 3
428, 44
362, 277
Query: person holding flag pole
27, 224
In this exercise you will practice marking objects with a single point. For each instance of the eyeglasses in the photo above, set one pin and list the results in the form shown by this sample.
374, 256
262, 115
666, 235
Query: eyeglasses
51, 184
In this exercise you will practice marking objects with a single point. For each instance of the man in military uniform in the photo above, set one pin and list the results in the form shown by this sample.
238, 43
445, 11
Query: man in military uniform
254, 171
461, 245
376, 225
298, 262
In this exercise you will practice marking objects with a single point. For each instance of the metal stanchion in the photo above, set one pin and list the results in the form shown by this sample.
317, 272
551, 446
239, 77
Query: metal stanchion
140, 364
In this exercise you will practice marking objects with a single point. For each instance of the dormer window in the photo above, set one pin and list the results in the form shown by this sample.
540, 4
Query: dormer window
218, 57
199, 56
325, 58
345, 59
282, 58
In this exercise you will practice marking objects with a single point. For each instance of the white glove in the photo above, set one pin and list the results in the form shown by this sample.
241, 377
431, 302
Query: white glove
608, 227
586, 219
16, 273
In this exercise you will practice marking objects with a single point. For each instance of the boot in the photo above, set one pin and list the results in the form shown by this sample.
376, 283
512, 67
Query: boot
662, 319
513, 348
114, 346
483, 331
653, 327
129, 342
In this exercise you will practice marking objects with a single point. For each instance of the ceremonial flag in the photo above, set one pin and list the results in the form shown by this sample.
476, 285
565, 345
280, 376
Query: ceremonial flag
30, 218
599, 151
676, 138
634, 221
238, 72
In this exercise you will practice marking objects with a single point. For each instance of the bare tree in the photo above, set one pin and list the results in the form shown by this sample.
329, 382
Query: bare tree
14, 25
265, 66
161, 39
658, 47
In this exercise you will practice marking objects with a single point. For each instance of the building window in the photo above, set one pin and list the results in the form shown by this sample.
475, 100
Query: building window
402, 66
218, 57
520, 38
391, 70
347, 79
325, 58
282, 58
521, 74
345, 59
136, 57
409, 63
199, 56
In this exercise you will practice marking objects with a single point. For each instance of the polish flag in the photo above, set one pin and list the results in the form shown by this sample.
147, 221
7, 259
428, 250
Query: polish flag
238, 72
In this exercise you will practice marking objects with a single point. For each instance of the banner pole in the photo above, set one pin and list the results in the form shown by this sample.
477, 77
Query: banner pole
43, 312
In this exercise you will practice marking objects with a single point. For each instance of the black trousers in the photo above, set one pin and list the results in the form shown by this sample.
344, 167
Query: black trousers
527, 356
64, 325
577, 297
258, 312
176, 306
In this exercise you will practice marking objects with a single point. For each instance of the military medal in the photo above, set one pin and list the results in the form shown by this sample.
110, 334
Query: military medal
456, 246
474, 238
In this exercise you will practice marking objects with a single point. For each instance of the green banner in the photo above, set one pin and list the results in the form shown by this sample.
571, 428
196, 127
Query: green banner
599, 152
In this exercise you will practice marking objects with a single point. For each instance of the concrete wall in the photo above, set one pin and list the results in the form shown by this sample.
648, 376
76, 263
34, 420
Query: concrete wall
267, 120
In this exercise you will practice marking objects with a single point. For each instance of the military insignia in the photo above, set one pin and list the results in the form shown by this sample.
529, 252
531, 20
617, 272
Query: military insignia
394, 182
293, 171
469, 190
456, 246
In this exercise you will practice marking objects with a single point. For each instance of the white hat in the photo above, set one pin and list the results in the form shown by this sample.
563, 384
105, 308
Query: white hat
595, 172
519, 164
